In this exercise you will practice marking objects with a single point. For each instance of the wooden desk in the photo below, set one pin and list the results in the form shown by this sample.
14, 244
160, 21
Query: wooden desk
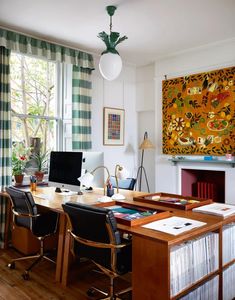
150, 248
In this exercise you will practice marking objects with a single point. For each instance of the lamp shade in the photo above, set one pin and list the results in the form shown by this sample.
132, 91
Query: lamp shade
86, 179
110, 65
146, 144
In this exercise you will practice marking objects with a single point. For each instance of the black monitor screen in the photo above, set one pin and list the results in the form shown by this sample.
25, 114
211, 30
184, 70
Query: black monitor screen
65, 167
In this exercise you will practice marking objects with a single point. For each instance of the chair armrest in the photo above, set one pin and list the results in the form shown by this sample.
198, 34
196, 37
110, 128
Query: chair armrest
97, 244
16, 213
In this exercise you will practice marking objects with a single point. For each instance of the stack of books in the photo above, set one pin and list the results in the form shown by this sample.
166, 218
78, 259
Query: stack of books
228, 283
209, 290
205, 190
217, 209
192, 260
228, 243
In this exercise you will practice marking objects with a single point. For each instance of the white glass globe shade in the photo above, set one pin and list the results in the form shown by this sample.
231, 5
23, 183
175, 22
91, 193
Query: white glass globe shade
110, 65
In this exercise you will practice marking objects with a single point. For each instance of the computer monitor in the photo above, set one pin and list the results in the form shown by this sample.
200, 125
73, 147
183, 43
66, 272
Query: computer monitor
65, 168
90, 161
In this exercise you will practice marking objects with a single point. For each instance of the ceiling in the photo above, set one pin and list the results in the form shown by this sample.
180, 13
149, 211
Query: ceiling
155, 28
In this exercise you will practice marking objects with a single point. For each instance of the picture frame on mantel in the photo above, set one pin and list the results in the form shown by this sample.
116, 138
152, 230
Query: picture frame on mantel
113, 126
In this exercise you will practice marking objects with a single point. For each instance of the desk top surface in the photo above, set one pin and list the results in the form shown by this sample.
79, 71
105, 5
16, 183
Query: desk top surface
46, 197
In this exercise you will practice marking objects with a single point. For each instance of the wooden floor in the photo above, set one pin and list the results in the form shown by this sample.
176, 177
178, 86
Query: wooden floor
42, 284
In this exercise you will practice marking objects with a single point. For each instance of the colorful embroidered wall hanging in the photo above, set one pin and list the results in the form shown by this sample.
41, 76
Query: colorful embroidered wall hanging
199, 113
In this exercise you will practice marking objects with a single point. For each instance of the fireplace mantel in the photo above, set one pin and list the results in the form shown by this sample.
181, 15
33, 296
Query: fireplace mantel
177, 160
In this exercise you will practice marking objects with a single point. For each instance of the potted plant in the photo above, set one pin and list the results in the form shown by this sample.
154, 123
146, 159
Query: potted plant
41, 160
20, 156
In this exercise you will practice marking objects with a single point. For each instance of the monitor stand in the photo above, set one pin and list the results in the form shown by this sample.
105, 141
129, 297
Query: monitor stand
58, 190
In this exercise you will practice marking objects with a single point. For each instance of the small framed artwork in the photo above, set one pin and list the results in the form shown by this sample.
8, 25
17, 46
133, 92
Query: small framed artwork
113, 126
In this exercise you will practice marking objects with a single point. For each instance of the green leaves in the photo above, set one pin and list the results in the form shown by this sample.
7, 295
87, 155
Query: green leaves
41, 159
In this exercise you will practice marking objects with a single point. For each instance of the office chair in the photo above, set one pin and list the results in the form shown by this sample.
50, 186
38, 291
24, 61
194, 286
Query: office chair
42, 225
125, 184
95, 234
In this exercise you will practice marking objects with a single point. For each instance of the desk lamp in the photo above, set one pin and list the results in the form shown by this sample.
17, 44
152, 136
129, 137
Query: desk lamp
146, 144
120, 173
88, 177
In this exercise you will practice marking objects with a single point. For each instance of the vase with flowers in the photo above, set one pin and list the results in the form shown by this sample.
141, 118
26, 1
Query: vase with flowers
20, 156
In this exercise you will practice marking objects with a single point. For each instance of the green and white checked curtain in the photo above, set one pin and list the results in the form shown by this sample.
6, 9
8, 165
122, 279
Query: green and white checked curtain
5, 135
81, 109
5, 119
28, 45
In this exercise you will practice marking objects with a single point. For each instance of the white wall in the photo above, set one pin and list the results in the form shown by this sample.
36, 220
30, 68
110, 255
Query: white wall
145, 106
194, 61
146, 122
120, 93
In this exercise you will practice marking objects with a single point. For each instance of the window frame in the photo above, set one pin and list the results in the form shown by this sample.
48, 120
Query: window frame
59, 95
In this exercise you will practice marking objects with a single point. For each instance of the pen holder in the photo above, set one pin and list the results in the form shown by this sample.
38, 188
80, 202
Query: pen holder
110, 192
33, 183
33, 186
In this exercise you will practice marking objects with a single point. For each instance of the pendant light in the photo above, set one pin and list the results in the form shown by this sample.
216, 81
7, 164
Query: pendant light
110, 64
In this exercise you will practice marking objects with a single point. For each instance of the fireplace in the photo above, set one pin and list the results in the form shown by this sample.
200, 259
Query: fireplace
208, 184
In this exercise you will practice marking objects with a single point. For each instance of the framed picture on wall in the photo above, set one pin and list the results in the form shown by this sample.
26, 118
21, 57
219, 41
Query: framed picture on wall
113, 126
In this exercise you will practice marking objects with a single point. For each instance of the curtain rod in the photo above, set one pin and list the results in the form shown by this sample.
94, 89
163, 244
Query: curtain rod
46, 40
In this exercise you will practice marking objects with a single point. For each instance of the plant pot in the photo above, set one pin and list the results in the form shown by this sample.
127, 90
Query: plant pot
19, 179
39, 175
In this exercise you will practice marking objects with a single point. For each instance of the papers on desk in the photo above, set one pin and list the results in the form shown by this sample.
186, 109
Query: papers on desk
218, 209
174, 225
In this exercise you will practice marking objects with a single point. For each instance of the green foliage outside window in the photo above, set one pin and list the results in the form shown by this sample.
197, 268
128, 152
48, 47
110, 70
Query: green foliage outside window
33, 100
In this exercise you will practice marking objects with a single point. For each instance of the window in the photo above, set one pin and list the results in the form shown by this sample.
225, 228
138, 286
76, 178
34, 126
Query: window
34, 105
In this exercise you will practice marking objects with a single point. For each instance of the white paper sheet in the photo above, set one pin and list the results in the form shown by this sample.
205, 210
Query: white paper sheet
174, 225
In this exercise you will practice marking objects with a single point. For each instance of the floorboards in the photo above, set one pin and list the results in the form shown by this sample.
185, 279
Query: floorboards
43, 286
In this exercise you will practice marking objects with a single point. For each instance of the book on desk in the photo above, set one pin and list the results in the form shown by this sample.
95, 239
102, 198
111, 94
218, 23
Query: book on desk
217, 209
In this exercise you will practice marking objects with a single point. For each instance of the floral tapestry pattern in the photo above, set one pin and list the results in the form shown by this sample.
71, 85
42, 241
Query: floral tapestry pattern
199, 113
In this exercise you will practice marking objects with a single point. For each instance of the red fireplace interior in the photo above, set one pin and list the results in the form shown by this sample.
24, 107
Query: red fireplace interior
203, 184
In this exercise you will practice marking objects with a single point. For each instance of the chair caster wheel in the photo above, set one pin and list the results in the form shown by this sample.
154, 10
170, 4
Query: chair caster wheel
90, 292
11, 265
25, 276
